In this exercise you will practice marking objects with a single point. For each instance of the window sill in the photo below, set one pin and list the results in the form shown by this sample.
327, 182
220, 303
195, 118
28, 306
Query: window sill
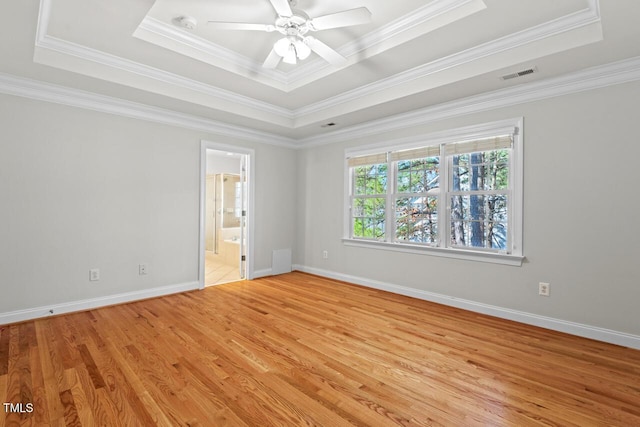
490, 257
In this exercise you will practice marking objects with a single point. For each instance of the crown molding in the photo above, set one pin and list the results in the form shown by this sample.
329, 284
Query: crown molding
403, 24
573, 21
149, 78
65, 47
620, 72
49, 43
593, 78
376, 42
212, 53
48, 92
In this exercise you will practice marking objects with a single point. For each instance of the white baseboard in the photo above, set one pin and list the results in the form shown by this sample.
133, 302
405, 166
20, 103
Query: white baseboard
262, 273
587, 331
88, 304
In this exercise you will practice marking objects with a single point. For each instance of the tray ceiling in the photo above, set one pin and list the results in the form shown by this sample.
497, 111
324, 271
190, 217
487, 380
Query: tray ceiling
413, 54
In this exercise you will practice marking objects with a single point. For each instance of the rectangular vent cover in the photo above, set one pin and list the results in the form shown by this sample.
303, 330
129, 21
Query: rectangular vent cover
521, 73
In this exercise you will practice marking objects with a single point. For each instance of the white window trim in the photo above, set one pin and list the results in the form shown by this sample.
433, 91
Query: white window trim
510, 126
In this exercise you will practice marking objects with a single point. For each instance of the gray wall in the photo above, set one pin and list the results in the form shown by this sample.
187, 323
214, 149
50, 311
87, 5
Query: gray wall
81, 189
581, 231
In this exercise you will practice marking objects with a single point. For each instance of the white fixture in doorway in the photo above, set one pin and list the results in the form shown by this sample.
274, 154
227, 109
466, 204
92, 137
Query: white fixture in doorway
244, 239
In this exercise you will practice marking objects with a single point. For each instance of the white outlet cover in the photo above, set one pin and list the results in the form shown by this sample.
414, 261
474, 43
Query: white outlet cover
544, 289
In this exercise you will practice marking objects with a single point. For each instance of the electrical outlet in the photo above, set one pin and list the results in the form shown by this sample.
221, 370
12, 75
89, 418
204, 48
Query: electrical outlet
544, 289
325, 254
94, 274
142, 269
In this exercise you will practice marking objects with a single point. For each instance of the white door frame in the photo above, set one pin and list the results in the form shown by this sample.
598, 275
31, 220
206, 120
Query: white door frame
250, 220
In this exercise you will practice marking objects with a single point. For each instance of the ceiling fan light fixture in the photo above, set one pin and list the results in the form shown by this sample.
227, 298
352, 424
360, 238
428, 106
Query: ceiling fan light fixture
291, 49
282, 46
294, 25
302, 50
290, 57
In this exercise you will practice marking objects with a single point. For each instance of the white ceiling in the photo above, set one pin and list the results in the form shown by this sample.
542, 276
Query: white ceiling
414, 54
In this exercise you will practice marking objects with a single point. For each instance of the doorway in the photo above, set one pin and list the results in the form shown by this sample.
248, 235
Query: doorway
226, 220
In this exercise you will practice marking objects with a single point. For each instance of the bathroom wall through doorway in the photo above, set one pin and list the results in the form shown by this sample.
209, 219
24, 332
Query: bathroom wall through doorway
225, 214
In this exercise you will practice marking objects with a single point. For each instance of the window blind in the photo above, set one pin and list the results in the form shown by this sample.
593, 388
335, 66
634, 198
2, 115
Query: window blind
416, 153
478, 145
487, 144
370, 159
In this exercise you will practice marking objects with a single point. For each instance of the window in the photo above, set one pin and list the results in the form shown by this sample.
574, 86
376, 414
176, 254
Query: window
369, 197
457, 195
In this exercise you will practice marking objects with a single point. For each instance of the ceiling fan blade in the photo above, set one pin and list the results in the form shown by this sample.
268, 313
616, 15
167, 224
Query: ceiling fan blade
241, 26
358, 16
282, 7
272, 60
324, 51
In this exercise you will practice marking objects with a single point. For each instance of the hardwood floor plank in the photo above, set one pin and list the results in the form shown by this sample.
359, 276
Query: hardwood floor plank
161, 386
228, 393
64, 343
121, 382
26, 333
15, 366
297, 349
86, 387
40, 405
51, 371
3, 398
106, 413
80, 399
70, 412
90, 366
4, 350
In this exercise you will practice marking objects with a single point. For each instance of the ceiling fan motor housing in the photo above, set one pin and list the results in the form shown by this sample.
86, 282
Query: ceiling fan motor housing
295, 25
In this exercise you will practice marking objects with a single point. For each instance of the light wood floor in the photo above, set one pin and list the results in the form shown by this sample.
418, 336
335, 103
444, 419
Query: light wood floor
217, 272
301, 350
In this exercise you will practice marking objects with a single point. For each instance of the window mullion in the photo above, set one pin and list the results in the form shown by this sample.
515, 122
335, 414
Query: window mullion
352, 196
390, 229
444, 200
510, 203
510, 229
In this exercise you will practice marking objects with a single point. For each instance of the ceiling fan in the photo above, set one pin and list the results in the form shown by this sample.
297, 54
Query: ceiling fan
294, 24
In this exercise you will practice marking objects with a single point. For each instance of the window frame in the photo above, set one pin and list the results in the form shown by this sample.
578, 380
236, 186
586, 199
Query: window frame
514, 255
365, 196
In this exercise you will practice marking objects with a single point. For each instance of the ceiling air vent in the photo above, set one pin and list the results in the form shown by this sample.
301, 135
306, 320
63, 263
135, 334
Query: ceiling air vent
521, 73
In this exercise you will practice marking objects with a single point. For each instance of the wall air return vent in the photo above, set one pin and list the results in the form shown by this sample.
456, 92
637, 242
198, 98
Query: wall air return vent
521, 73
